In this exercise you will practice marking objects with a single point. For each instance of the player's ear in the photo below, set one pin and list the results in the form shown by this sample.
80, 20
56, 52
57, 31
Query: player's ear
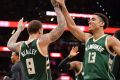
102, 23
41, 31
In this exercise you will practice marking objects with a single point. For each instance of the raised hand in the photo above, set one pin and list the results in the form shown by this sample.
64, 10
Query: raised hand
74, 51
54, 3
21, 25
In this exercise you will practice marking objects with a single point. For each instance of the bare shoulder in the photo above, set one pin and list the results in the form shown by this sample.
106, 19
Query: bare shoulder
20, 43
16, 47
112, 41
44, 39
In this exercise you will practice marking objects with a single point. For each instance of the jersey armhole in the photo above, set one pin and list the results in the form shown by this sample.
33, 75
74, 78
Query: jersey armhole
40, 49
106, 45
76, 74
88, 39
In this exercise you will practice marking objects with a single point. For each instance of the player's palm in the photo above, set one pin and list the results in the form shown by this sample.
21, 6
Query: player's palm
21, 25
74, 51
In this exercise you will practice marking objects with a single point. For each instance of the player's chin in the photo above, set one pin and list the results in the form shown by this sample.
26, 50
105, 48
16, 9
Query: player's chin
90, 30
89, 27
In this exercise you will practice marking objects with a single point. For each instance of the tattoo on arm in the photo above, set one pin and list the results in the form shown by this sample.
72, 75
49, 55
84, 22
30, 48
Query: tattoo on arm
12, 44
58, 31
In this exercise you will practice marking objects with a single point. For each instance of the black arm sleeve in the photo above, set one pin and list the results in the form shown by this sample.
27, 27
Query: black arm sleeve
64, 64
116, 67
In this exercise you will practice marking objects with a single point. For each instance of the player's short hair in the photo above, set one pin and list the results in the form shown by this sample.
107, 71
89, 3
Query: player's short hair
104, 18
34, 26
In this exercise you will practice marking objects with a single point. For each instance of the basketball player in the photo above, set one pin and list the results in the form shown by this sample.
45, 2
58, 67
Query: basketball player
34, 51
98, 45
73, 65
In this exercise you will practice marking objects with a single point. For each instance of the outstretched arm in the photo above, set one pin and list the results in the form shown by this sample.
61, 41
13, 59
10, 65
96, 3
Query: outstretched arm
58, 31
64, 63
12, 45
79, 34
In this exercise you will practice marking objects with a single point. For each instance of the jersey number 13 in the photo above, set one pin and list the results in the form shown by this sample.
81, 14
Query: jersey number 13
92, 57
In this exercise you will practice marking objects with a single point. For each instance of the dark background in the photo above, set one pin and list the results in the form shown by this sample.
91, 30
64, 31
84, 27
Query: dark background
35, 9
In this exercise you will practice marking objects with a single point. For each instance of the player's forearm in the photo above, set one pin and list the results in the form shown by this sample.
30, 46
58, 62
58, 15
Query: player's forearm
63, 64
76, 31
60, 17
69, 20
13, 39
58, 31
71, 24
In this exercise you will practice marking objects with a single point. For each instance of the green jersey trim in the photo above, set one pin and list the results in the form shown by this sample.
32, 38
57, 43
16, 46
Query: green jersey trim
76, 74
106, 45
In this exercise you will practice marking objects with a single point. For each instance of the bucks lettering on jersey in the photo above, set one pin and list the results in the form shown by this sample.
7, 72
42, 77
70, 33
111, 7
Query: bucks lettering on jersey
36, 66
96, 60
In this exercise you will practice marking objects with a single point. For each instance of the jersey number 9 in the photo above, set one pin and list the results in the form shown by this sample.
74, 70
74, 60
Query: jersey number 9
30, 66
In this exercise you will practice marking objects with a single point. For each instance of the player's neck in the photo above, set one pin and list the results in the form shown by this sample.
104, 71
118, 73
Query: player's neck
33, 37
98, 34
17, 60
